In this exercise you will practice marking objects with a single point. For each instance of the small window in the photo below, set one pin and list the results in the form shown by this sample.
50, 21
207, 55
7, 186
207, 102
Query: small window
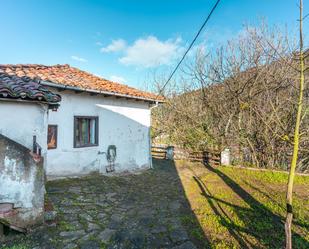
85, 131
52, 136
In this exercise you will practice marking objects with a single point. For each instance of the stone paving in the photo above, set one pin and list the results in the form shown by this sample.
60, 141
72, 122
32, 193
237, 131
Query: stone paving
126, 211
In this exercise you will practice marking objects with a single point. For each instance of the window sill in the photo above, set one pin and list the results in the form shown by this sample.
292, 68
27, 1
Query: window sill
85, 146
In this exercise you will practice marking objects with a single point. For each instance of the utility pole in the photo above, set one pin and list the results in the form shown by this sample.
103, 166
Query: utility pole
289, 195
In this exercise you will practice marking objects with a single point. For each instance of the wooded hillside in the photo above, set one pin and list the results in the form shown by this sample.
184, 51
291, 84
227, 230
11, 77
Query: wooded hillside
241, 96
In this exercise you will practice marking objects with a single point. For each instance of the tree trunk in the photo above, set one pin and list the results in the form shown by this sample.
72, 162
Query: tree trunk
289, 195
288, 230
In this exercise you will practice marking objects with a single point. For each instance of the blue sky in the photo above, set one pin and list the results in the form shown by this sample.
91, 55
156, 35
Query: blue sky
126, 40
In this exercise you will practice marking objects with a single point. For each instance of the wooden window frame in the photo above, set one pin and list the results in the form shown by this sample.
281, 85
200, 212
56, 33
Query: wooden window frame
96, 136
56, 144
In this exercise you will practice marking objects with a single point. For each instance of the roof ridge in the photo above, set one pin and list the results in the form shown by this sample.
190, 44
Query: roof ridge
39, 66
99, 77
33, 65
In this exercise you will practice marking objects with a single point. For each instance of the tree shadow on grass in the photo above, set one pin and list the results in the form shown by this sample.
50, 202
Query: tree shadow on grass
265, 194
256, 220
269, 197
217, 205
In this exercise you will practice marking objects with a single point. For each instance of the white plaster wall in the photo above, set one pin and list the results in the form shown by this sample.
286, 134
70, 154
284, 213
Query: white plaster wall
124, 123
18, 190
20, 121
14, 186
21, 182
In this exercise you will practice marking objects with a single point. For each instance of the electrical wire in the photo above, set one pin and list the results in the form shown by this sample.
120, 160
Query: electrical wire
193, 41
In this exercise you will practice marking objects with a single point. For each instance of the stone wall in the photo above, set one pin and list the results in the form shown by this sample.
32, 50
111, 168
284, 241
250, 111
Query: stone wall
21, 183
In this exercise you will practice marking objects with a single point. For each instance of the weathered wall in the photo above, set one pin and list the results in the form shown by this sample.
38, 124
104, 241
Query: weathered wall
124, 123
20, 121
21, 182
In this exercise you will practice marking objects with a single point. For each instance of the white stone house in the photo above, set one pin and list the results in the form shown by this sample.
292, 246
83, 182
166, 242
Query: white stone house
98, 125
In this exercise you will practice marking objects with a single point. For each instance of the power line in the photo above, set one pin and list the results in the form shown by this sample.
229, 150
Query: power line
196, 36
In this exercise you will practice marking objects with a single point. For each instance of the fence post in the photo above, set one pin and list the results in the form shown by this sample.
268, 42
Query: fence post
170, 152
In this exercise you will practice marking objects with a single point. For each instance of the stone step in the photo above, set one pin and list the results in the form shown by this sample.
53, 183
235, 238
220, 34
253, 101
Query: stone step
7, 210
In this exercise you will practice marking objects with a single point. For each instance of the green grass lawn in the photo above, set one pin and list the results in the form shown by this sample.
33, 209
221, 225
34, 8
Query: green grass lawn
241, 208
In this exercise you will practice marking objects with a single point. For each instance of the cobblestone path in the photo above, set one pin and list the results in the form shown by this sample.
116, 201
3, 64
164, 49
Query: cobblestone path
144, 210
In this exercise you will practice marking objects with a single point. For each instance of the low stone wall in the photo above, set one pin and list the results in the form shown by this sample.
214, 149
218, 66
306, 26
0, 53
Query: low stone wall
21, 183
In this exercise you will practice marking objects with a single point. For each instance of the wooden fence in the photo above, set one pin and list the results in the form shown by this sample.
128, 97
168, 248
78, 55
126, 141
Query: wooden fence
208, 156
158, 151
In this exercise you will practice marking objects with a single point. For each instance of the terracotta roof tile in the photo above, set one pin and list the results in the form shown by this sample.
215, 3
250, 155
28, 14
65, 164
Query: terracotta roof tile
64, 75
23, 87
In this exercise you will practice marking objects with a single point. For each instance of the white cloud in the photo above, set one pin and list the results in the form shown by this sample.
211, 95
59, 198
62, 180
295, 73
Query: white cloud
119, 79
99, 43
77, 58
151, 52
115, 46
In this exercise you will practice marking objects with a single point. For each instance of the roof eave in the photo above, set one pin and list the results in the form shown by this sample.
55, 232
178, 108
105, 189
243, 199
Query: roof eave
33, 101
73, 88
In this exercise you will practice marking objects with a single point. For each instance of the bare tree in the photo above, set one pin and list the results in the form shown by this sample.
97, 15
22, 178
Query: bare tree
289, 195
241, 96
